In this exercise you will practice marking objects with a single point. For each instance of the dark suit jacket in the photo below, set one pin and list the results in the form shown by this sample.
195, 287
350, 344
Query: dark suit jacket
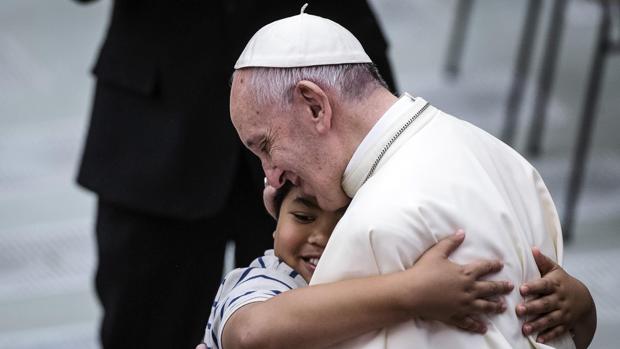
160, 138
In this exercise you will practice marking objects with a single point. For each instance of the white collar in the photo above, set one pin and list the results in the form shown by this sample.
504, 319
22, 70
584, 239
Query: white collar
361, 163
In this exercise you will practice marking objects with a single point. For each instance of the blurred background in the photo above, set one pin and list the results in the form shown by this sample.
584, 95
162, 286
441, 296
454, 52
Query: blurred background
461, 55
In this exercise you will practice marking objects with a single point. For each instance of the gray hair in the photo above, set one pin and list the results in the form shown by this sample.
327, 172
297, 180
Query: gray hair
350, 81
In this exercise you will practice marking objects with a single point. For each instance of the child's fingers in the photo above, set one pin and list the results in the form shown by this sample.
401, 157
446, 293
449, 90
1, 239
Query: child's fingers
201, 346
551, 334
485, 306
539, 306
543, 323
544, 263
449, 244
481, 268
472, 325
487, 289
537, 287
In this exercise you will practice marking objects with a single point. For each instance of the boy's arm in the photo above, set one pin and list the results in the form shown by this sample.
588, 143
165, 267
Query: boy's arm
322, 315
562, 303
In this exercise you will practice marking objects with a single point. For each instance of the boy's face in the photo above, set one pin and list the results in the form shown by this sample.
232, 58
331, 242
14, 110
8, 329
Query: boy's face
302, 232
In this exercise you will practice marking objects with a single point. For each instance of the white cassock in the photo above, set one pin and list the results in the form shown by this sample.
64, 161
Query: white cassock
418, 176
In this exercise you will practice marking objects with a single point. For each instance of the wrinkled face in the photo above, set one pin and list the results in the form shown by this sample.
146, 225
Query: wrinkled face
303, 231
288, 146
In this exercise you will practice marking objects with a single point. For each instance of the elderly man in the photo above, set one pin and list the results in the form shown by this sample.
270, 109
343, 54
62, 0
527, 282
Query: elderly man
307, 100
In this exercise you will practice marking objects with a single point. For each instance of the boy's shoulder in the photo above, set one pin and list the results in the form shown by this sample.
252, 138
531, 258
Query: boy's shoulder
266, 277
264, 270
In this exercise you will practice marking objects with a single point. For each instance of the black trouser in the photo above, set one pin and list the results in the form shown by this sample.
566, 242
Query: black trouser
157, 277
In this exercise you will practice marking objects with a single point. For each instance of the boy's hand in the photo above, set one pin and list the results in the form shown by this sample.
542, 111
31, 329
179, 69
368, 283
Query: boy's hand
453, 293
559, 301
201, 346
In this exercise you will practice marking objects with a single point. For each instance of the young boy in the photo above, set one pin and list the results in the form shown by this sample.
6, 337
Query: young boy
247, 313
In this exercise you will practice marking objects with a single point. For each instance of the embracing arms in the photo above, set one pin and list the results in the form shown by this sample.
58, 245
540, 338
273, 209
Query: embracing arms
322, 315
557, 302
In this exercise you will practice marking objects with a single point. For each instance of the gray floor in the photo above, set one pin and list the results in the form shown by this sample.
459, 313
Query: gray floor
47, 48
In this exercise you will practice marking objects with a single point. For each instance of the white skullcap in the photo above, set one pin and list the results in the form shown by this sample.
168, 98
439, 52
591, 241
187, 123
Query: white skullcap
301, 41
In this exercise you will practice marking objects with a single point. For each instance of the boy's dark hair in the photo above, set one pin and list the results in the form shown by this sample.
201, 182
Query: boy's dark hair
280, 195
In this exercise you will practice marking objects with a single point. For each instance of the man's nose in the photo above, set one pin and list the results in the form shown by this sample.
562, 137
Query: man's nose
292, 178
275, 176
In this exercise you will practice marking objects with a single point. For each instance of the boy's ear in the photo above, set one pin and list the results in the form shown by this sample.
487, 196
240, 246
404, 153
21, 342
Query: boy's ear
274, 234
315, 101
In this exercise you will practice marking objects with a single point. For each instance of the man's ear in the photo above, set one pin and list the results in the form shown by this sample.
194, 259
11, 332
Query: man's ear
316, 102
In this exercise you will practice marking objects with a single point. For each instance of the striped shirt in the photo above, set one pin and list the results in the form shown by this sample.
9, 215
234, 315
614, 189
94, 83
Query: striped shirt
267, 276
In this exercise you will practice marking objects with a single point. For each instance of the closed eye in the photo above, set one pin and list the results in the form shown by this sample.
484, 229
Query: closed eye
264, 146
303, 218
